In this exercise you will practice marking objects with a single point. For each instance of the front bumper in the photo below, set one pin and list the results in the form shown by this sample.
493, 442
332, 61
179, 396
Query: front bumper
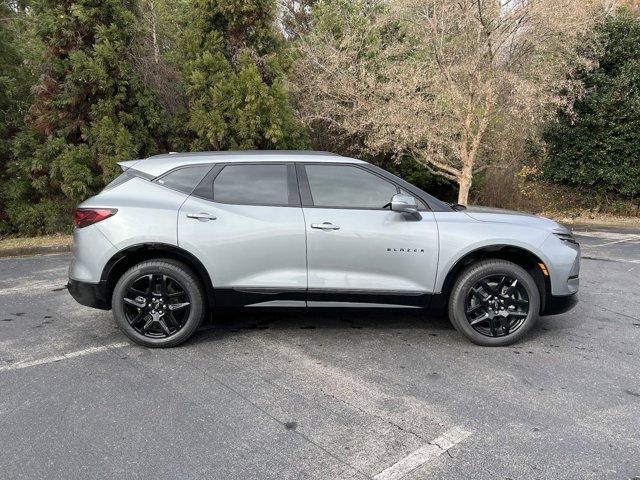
89, 294
562, 259
556, 304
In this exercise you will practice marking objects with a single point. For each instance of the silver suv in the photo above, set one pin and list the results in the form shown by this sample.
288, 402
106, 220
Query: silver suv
177, 236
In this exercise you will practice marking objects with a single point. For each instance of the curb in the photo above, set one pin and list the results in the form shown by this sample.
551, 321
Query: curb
37, 250
595, 225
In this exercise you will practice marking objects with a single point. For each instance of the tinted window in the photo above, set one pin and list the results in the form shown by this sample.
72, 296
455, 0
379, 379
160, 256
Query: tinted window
252, 184
184, 179
346, 186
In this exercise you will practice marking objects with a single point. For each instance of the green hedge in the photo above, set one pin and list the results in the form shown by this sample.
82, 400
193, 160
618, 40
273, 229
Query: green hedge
597, 147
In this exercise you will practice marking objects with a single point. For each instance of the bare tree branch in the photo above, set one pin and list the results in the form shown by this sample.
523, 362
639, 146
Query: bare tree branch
435, 78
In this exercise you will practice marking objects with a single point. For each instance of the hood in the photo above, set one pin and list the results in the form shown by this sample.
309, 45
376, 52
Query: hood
500, 215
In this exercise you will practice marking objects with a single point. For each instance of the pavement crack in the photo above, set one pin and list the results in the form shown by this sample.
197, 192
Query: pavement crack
613, 311
437, 444
328, 394
374, 415
265, 412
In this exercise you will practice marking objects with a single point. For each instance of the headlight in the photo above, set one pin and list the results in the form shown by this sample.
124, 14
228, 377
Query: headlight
567, 237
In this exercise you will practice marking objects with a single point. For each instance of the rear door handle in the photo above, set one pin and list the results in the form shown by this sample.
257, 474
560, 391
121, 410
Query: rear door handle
325, 226
202, 216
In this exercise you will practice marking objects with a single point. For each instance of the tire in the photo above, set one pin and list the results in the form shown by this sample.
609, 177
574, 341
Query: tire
148, 296
504, 292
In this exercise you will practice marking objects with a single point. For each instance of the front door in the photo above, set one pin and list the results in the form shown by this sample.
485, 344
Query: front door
358, 251
245, 223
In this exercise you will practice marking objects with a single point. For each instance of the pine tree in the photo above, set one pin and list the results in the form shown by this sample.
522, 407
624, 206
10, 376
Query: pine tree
234, 77
90, 110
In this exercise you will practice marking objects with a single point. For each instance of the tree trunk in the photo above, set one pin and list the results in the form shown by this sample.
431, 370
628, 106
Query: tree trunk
154, 35
466, 174
468, 151
464, 183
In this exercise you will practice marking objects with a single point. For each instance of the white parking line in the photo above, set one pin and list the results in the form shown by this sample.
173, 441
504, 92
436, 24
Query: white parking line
64, 356
34, 287
607, 235
422, 455
612, 242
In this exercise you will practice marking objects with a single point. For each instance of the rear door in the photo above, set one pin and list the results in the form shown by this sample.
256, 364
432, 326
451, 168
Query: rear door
358, 251
245, 223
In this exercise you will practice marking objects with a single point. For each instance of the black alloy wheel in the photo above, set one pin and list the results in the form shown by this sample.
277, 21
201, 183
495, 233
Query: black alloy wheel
494, 302
159, 303
156, 305
497, 305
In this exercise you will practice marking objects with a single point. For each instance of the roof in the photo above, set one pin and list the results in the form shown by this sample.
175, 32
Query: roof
159, 164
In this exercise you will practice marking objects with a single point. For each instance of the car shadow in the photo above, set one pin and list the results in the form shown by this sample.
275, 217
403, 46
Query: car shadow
229, 323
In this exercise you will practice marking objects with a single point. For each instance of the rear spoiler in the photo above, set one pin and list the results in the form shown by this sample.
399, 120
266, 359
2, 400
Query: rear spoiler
126, 165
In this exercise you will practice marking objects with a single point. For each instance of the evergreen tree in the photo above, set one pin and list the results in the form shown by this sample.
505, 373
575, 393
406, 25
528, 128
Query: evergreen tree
15, 80
234, 77
90, 110
597, 147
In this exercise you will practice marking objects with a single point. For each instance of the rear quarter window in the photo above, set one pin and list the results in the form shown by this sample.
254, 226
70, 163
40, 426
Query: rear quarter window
184, 179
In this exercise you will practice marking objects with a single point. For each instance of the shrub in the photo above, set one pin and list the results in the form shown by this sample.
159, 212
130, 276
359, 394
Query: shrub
597, 146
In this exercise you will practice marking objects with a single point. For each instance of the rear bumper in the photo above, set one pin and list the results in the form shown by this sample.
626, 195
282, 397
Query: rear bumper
89, 294
555, 304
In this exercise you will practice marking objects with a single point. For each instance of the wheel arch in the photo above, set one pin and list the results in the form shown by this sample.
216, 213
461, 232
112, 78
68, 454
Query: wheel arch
512, 253
130, 256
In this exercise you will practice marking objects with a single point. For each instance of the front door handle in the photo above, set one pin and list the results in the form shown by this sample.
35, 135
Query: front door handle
325, 226
202, 216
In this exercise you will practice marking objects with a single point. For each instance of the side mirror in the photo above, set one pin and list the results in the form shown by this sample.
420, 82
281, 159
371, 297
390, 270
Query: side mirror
405, 204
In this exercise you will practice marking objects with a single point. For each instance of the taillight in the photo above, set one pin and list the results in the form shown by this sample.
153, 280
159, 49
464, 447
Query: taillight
83, 217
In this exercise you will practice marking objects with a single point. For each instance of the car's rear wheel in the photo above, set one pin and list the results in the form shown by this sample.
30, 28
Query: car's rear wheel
158, 303
494, 302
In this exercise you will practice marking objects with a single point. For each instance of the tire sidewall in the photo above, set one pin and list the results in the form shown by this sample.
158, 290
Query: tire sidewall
184, 277
457, 308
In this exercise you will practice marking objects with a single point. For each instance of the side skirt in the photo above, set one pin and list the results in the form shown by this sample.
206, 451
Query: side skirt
270, 297
259, 297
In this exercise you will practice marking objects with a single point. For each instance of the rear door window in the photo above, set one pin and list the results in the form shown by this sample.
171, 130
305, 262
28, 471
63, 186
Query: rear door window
254, 184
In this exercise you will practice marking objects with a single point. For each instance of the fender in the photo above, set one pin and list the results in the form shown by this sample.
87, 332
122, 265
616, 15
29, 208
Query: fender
133, 254
507, 251
452, 263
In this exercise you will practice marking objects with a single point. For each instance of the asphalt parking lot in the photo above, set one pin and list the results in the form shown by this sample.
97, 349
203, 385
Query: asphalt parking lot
322, 395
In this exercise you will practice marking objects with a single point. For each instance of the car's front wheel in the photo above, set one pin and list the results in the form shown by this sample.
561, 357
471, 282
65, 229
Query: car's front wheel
494, 302
158, 303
